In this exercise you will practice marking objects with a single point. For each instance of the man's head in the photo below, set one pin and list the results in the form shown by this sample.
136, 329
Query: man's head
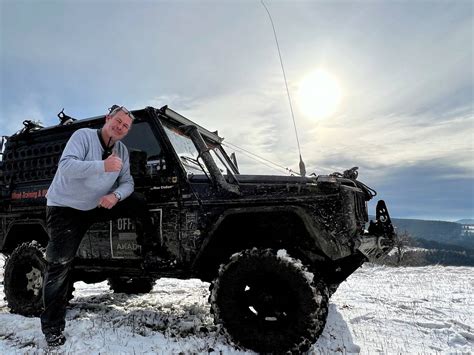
117, 123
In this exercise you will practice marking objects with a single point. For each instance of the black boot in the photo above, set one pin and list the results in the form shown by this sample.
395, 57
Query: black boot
55, 339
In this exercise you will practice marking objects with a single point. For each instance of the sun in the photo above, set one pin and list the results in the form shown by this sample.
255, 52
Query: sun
319, 94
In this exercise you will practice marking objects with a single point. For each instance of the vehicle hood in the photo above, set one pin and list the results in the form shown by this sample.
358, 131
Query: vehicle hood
274, 186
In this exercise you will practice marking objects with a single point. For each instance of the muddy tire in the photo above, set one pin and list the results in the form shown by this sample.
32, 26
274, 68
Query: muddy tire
133, 285
23, 279
268, 302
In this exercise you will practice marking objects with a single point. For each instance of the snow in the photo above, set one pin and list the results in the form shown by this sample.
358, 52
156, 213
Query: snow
377, 310
409, 310
282, 254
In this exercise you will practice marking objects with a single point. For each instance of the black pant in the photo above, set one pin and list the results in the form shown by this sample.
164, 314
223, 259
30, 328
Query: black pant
66, 228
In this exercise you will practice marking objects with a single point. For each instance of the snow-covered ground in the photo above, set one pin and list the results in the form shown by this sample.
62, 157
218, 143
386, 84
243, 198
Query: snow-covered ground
378, 310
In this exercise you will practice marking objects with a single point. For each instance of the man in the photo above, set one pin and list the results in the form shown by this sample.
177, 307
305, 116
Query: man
92, 183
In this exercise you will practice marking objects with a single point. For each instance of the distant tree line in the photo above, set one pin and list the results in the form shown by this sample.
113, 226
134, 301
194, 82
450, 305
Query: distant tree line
439, 231
409, 251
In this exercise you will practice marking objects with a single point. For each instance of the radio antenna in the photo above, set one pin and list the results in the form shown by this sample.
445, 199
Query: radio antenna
302, 166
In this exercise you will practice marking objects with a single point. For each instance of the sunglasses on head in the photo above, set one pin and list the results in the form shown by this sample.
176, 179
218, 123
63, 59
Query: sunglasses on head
115, 109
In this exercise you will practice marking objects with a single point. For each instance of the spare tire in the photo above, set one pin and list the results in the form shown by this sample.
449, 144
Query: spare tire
269, 302
23, 279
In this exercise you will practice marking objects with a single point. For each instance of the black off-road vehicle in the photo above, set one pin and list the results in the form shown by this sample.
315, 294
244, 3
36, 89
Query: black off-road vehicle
273, 247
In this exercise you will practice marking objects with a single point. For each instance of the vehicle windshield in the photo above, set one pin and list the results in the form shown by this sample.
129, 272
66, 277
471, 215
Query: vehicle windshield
189, 155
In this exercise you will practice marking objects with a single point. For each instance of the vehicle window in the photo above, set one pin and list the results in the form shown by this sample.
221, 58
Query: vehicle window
142, 138
218, 158
146, 155
186, 151
189, 155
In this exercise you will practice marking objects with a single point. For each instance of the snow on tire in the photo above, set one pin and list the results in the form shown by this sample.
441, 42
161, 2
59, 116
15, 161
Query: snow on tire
23, 279
269, 302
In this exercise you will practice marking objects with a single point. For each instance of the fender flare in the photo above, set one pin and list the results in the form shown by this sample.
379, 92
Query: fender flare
326, 243
40, 223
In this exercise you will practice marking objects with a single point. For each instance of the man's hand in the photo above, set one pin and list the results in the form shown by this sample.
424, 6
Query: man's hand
108, 201
112, 163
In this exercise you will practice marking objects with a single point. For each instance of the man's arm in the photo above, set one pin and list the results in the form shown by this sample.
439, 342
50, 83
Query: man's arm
72, 162
125, 184
125, 181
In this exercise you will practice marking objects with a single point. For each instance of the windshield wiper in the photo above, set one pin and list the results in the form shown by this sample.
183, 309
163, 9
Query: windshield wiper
186, 160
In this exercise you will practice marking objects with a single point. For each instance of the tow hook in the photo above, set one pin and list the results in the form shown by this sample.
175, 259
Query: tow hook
379, 238
383, 224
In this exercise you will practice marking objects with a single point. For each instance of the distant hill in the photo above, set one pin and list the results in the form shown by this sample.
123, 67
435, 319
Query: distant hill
465, 221
438, 231
441, 242
431, 230
443, 254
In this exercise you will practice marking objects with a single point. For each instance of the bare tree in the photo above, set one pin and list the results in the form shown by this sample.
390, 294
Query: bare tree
402, 242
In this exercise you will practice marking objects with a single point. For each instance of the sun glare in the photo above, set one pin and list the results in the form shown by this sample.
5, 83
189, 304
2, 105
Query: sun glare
319, 94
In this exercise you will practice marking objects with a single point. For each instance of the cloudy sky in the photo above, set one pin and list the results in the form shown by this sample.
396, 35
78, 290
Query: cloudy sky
403, 71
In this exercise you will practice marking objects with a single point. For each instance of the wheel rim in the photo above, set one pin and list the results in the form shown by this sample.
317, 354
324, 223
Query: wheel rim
34, 281
28, 281
266, 303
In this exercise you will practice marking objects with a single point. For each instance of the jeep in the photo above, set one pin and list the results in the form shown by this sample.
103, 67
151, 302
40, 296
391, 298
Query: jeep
274, 248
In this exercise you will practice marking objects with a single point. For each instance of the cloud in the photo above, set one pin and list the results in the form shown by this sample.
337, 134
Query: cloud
428, 190
29, 108
405, 70
396, 140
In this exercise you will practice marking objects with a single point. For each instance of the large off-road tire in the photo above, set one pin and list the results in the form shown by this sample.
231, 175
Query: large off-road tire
269, 302
23, 279
131, 285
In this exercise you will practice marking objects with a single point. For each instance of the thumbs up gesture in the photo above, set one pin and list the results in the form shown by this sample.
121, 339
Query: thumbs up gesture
113, 163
